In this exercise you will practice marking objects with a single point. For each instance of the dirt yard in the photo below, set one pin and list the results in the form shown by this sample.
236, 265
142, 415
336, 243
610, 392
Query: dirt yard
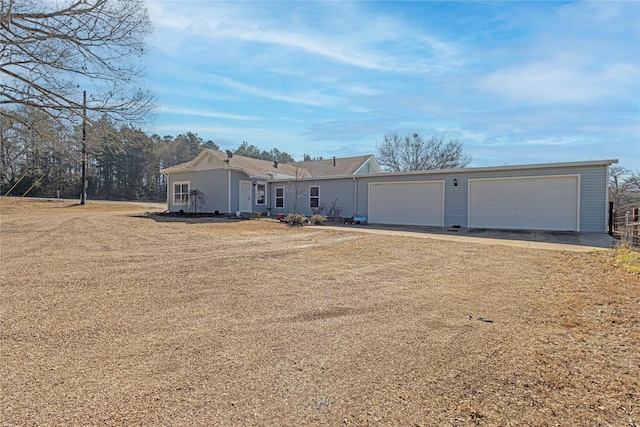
109, 317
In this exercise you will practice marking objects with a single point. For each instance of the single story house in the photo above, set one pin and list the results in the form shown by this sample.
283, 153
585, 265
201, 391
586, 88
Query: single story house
555, 196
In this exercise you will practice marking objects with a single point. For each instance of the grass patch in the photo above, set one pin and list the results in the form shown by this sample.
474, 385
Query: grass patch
252, 323
627, 259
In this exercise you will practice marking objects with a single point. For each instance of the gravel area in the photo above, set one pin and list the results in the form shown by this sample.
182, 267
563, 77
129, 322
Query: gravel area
109, 316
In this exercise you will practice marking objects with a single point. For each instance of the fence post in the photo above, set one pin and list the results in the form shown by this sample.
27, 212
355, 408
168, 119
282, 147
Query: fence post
610, 218
627, 229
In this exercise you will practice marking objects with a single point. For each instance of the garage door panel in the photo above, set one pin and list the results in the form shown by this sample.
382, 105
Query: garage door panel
416, 203
535, 203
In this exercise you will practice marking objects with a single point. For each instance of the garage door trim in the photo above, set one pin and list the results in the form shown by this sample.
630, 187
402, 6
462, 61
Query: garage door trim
514, 178
432, 182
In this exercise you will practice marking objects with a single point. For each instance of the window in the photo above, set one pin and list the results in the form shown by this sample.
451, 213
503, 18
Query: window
314, 197
280, 197
260, 194
181, 193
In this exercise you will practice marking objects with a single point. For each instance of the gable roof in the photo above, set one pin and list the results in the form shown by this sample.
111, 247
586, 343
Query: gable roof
261, 168
266, 169
253, 167
334, 167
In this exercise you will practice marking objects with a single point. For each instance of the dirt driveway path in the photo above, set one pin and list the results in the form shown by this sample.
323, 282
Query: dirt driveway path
556, 241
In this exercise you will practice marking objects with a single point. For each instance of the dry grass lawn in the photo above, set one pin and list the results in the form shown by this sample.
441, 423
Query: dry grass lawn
112, 318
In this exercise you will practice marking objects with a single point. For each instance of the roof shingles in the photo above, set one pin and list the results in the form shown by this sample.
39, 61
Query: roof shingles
267, 169
334, 167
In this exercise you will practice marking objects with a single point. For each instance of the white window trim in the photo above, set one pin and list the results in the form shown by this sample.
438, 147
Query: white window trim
173, 191
256, 197
315, 197
276, 198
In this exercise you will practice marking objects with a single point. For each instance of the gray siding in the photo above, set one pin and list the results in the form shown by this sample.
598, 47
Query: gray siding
254, 197
236, 176
593, 191
593, 198
352, 192
212, 183
455, 198
341, 190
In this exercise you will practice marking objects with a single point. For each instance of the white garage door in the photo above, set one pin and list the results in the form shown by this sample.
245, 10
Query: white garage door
535, 203
407, 203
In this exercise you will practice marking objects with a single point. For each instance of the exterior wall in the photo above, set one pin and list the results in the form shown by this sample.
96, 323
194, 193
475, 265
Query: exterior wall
214, 184
593, 200
455, 198
593, 191
254, 196
352, 192
341, 190
236, 176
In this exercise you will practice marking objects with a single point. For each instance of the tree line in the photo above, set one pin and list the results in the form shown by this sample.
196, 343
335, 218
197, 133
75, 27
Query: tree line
51, 50
41, 153
53, 53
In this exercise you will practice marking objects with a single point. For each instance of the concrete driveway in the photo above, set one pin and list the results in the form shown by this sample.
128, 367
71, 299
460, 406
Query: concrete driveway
551, 240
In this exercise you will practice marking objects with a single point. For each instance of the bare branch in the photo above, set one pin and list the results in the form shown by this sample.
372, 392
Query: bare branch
412, 152
51, 51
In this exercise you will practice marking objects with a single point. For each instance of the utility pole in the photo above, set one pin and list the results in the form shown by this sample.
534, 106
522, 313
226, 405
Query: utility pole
83, 196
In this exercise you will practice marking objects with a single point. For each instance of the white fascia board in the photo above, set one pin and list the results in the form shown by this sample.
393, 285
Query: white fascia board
169, 171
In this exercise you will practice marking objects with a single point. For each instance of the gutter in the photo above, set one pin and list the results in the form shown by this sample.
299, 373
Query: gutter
461, 170
355, 195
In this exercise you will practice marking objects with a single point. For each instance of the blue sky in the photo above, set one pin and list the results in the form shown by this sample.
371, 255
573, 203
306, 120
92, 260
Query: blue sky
516, 82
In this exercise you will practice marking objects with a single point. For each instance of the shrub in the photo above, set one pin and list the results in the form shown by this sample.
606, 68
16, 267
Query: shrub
319, 210
296, 219
318, 219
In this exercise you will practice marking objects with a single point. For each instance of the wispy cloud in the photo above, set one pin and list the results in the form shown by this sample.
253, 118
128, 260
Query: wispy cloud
384, 44
545, 82
516, 81
322, 46
312, 98
206, 113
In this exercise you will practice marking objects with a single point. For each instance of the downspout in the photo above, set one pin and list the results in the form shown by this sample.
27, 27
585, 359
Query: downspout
229, 190
355, 196
608, 227
168, 187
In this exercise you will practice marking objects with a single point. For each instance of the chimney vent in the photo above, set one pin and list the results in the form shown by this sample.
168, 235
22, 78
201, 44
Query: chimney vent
334, 161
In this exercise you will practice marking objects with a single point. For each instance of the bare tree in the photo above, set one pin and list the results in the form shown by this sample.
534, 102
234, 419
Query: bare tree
411, 152
624, 186
50, 51
296, 188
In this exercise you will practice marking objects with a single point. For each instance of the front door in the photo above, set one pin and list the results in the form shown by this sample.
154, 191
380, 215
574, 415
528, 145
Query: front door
245, 196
